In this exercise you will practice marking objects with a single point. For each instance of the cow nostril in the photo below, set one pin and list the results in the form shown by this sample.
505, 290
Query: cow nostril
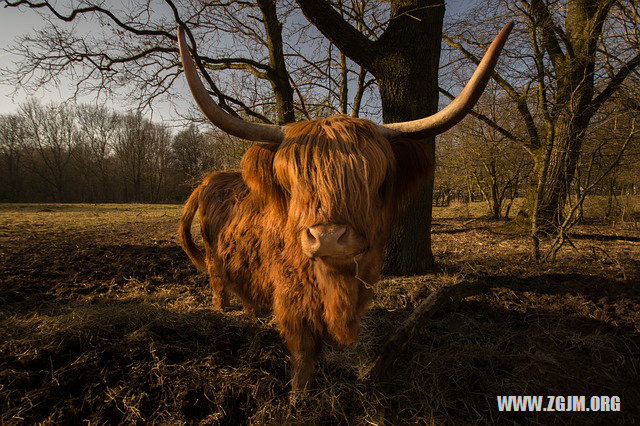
310, 235
342, 239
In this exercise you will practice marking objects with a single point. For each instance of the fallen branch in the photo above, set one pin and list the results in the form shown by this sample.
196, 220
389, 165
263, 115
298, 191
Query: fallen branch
468, 222
440, 299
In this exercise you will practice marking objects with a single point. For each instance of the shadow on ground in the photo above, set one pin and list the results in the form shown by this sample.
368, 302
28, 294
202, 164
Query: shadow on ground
118, 329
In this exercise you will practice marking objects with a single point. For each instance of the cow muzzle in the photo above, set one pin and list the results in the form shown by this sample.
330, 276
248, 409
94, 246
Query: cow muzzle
331, 241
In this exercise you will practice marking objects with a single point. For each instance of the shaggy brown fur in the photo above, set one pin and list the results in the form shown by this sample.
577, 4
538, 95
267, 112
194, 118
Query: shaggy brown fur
338, 170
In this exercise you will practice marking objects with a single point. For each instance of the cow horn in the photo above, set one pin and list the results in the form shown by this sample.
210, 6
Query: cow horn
226, 122
454, 112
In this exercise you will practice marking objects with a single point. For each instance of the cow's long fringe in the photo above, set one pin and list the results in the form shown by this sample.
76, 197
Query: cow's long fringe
331, 168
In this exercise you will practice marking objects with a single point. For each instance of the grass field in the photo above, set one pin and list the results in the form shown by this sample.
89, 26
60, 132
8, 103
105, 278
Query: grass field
625, 208
104, 320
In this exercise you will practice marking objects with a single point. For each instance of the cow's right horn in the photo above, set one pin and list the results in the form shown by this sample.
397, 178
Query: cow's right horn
459, 107
221, 119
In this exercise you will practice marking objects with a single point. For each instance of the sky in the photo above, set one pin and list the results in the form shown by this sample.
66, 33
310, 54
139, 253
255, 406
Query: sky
15, 22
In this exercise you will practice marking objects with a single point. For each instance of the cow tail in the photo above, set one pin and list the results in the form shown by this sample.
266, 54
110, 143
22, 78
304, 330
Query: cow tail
186, 241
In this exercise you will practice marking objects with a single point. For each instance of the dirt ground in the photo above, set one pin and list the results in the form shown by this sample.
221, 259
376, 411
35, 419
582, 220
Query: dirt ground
103, 319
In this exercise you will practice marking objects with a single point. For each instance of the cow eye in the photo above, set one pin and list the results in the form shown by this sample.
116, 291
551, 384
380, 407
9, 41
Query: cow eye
385, 188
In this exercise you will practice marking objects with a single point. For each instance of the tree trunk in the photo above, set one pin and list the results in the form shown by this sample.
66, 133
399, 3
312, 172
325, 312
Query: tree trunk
611, 195
408, 251
573, 108
278, 75
559, 172
409, 90
496, 203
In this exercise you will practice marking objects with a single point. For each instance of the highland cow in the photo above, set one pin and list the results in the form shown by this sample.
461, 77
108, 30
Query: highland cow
301, 228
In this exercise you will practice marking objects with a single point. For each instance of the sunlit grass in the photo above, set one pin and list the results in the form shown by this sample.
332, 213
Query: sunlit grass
76, 216
595, 207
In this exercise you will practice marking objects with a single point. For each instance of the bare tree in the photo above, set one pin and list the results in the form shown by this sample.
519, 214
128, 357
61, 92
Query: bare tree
568, 58
159, 161
610, 130
51, 136
13, 135
133, 152
594, 178
89, 153
494, 163
97, 129
138, 51
192, 154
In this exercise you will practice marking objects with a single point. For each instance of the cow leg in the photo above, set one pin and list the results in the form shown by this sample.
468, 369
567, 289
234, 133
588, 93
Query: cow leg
305, 347
220, 296
304, 356
248, 306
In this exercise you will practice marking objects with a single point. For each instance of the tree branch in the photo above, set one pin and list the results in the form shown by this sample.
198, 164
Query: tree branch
520, 99
90, 9
550, 32
221, 96
347, 38
614, 83
491, 123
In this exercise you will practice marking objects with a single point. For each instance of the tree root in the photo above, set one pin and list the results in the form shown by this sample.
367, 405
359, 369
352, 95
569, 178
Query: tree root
383, 365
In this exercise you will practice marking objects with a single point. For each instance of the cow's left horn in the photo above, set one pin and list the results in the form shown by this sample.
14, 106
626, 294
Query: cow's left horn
454, 112
226, 122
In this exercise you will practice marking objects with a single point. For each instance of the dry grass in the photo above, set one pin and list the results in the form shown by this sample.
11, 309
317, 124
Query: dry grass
625, 208
103, 319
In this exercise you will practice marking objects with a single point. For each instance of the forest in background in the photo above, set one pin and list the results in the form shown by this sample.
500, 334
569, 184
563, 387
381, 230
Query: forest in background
85, 153
89, 154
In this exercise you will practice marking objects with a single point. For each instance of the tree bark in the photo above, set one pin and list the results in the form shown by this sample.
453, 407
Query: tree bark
560, 169
408, 81
278, 74
569, 118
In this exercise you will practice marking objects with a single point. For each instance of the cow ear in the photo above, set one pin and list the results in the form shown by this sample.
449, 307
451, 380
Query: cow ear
257, 172
415, 162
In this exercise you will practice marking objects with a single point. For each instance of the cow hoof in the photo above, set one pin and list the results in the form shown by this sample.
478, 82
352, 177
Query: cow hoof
222, 309
220, 305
